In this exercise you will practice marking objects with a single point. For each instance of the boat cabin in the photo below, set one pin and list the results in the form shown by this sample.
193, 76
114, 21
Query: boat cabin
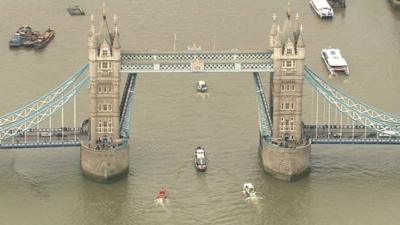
334, 61
322, 8
202, 86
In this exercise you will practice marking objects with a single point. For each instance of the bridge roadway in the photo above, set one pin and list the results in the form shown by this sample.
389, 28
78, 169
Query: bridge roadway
46, 137
346, 134
196, 61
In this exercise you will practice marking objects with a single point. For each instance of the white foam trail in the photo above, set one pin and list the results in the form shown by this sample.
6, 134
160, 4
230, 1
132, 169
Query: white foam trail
203, 96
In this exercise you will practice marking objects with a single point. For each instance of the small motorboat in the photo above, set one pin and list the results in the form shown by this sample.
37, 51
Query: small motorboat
201, 86
249, 190
19, 36
322, 8
200, 160
162, 194
334, 61
75, 10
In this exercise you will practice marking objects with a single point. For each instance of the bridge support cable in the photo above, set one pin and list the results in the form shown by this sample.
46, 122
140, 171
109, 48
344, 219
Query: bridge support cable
44, 100
33, 120
263, 110
316, 118
350, 102
329, 120
126, 106
361, 117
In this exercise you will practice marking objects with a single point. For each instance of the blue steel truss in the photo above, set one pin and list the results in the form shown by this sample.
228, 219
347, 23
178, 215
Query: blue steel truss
196, 61
359, 112
264, 117
43, 110
126, 112
42, 101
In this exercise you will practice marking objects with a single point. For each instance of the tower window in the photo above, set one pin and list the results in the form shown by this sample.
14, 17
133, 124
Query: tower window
289, 51
293, 89
287, 105
104, 65
104, 53
288, 64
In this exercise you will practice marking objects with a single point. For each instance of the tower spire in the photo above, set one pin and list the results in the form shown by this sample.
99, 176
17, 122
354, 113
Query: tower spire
104, 11
288, 10
92, 28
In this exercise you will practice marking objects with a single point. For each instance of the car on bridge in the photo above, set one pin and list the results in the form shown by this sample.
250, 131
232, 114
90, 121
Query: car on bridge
388, 134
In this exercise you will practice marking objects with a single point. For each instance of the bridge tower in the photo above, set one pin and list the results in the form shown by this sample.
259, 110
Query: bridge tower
105, 156
288, 155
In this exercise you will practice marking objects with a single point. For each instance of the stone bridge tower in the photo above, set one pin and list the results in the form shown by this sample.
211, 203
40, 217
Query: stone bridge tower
288, 155
105, 156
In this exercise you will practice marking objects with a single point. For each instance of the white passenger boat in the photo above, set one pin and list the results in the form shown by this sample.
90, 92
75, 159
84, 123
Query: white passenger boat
201, 86
322, 8
334, 61
249, 190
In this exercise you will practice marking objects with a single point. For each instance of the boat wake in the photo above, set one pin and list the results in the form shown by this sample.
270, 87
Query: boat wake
161, 201
253, 198
202, 96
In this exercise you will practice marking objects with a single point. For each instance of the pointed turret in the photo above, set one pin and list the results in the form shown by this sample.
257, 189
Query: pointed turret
300, 41
116, 44
104, 33
92, 34
273, 32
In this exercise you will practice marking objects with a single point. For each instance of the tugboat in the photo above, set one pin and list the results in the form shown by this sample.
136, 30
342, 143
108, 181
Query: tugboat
249, 190
44, 39
31, 39
201, 86
200, 160
19, 36
334, 61
162, 194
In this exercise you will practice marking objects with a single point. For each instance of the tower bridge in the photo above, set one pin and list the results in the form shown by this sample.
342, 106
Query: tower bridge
285, 141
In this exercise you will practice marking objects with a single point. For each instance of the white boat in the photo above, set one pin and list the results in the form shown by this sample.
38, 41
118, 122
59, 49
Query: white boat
249, 190
201, 86
322, 8
334, 61
200, 160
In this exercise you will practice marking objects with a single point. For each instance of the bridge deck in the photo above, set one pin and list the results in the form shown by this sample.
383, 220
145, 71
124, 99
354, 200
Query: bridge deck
196, 61
346, 134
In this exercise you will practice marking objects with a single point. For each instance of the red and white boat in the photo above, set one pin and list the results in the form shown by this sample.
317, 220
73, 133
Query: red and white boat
162, 194
200, 160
